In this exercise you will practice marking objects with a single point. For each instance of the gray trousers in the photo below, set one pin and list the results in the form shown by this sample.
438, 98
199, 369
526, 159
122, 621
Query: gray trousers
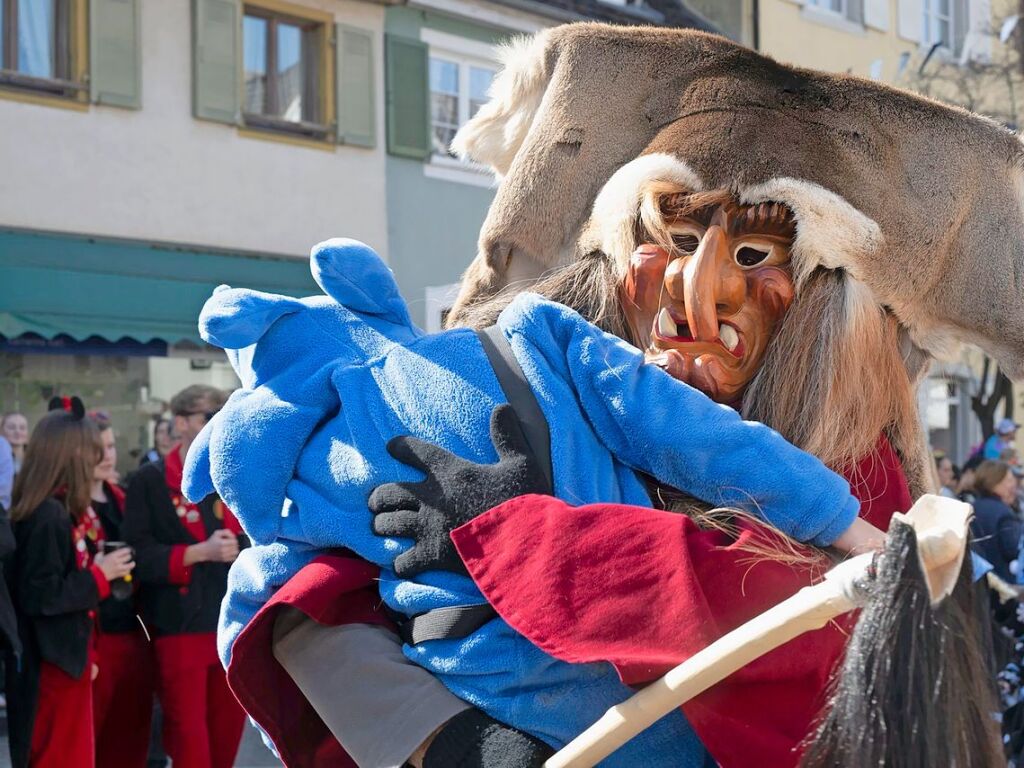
378, 704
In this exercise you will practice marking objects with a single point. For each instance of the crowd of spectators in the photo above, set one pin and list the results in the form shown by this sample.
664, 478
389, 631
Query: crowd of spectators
111, 594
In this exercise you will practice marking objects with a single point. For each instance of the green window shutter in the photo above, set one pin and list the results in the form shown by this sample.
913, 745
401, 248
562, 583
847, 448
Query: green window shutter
115, 67
216, 59
408, 98
357, 117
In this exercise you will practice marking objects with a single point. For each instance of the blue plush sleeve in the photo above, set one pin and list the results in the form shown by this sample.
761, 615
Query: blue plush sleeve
658, 425
255, 576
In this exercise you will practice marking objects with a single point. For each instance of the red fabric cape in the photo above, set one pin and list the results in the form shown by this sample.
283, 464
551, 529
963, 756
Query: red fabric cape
640, 588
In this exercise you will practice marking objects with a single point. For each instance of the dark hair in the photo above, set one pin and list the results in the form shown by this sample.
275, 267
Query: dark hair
192, 399
914, 688
62, 453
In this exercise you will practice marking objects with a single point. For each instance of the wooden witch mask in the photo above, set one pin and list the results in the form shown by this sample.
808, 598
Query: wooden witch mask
919, 205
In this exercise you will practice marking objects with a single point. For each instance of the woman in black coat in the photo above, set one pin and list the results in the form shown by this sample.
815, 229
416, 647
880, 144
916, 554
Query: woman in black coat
995, 527
59, 577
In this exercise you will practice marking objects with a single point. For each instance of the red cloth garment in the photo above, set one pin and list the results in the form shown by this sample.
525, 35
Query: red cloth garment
332, 590
62, 732
202, 719
122, 700
646, 589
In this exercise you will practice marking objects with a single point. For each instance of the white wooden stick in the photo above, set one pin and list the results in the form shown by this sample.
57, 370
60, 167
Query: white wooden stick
941, 526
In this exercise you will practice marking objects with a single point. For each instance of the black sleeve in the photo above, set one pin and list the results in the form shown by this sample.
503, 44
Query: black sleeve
7, 545
152, 557
45, 588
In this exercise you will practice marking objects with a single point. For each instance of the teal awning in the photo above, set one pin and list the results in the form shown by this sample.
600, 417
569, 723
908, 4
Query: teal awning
61, 284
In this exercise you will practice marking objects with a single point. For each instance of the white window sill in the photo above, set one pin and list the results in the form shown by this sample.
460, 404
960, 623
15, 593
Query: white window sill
831, 19
450, 169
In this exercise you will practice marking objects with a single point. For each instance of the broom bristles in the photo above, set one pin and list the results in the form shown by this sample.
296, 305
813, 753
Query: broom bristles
913, 690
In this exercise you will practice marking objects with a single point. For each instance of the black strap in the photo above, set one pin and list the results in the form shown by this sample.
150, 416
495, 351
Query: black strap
519, 395
445, 623
463, 620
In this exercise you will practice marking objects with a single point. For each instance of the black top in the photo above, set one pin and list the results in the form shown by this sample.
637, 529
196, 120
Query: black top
153, 528
116, 616
53, 600
52, 596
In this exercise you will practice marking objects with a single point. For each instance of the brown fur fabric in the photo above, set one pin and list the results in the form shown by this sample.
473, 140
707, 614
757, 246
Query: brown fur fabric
940, 238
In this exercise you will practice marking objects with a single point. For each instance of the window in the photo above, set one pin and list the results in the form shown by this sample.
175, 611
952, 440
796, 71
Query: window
835, 6
458, 88
285, 73
938, 23
37, 46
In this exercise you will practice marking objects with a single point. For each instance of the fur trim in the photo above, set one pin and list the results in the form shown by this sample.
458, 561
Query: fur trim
830, 232
499, 128
618, 207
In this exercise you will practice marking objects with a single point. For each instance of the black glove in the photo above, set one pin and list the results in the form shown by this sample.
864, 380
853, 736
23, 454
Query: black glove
454, 492
471, 739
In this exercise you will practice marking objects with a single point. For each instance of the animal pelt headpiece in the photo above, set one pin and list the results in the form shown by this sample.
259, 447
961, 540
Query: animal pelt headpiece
907, 210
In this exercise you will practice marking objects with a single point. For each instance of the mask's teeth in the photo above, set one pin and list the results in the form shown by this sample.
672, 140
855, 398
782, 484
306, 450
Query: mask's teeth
729, 337
666, 325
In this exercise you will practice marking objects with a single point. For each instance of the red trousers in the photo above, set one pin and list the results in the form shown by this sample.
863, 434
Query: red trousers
62, 733
202, 719
122, 700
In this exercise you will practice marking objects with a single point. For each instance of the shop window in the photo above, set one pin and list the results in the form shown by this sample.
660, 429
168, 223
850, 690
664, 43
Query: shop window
40, 47
285, 72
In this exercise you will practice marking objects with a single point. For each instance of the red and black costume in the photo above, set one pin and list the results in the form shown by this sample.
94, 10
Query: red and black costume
180, 606
685, 587
122, 694
57, 591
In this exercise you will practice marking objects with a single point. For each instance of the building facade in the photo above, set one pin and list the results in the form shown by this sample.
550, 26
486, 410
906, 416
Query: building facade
153, 149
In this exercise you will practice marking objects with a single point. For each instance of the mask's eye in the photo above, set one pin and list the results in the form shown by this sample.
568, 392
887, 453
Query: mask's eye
752, 255
686, 243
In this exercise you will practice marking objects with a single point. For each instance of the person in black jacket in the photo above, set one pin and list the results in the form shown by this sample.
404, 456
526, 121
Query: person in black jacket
995, 527
183, 552
60, 577
122, 694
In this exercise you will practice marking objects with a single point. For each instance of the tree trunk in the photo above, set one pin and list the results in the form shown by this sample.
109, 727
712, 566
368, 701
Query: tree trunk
985, 408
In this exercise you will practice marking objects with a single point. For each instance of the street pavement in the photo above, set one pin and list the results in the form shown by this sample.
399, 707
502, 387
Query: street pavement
252, 753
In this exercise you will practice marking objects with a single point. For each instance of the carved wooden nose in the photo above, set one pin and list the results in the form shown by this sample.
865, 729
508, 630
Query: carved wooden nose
708, 282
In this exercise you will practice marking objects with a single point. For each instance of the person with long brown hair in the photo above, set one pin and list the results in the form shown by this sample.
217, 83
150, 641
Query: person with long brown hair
60, 576
122, 695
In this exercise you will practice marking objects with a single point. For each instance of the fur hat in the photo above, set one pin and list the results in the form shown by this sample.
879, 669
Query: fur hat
920, 206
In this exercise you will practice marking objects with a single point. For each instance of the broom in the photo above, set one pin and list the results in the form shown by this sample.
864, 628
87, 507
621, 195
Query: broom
937, 528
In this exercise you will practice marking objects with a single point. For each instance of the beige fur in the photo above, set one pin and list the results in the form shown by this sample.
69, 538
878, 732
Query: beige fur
499, 128
831, 233
612, 227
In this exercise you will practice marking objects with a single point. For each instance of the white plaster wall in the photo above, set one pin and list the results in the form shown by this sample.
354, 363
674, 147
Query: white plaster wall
158, 174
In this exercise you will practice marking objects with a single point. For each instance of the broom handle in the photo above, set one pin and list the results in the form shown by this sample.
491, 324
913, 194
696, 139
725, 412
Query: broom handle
810, 608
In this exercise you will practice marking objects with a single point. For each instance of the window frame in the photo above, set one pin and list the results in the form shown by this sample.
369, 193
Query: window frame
319, 25
929, 24
844, 8
70, 53
466, 53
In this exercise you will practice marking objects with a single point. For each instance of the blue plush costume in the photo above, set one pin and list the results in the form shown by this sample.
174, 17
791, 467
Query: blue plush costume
328, 381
